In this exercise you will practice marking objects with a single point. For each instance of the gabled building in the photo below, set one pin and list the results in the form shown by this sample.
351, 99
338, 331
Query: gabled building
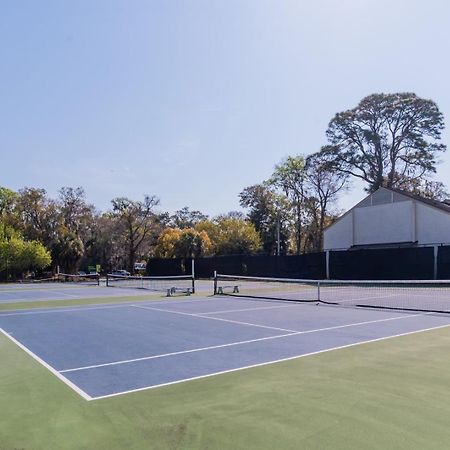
391, 218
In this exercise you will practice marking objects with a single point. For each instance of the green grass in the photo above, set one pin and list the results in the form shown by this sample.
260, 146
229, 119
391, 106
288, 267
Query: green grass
388, 394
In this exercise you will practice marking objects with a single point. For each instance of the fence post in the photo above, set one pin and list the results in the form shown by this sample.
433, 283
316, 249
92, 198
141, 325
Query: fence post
327, 264
435, 268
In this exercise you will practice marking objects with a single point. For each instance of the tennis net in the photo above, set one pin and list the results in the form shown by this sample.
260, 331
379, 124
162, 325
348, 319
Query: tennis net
420, 295
39, 280
88, 279
171, 285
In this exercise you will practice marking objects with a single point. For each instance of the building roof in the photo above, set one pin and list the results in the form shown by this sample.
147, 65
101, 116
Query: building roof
436, 203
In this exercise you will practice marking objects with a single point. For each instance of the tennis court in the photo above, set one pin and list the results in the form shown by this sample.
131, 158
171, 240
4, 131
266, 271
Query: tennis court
107, 350
17, 293
121, 287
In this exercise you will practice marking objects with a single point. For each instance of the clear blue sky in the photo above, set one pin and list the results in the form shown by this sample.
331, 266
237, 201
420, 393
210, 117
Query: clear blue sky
194, 100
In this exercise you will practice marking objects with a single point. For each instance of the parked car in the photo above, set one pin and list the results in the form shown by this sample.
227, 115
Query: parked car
121, 272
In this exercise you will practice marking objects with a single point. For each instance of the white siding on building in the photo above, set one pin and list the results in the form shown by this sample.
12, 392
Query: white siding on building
340, 234
382, 224
389, 217
433, 225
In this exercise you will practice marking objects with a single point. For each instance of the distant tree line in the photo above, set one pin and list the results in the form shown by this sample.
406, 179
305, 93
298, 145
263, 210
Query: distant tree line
40, 233
390, 140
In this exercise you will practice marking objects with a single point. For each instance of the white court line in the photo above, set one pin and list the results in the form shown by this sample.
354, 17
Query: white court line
44, 288
182, 352
60, 296
214, 318
58, 292
247, 309
61, 309
48, 366
87, 397
86, 308
267, 363
295, 333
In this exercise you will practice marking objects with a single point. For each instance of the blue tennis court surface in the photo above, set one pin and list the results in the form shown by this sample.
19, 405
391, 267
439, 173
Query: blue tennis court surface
17, 293
37, 293
102, 351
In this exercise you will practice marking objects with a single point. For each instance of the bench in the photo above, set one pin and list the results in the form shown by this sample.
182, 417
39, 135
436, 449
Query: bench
173, 290
235, 288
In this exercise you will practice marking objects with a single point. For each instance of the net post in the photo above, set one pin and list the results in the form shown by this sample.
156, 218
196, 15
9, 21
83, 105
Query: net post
318, 291
98, 279
215, 282
107, 280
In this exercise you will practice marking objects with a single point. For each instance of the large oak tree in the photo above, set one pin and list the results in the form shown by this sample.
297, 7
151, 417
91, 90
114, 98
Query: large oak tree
387, 140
